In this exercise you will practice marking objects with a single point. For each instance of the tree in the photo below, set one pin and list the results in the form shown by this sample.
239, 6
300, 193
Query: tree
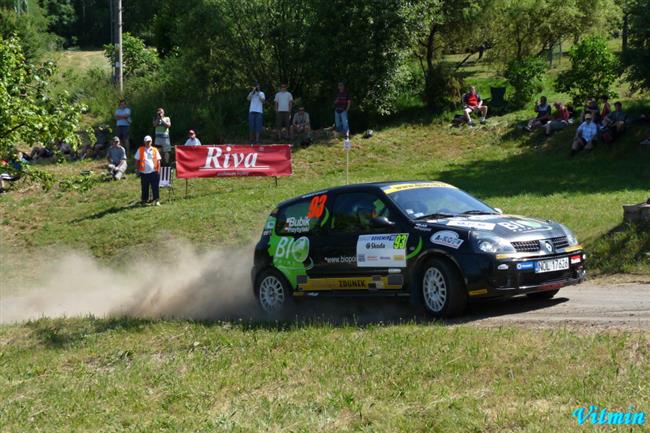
29, 114
137, 58
524, 75
594, 68
637, 55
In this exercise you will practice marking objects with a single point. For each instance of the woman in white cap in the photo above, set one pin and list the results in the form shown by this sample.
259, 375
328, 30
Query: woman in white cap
148, 166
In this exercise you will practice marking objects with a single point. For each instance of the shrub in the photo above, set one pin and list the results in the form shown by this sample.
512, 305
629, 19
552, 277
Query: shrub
137, 58
524, 76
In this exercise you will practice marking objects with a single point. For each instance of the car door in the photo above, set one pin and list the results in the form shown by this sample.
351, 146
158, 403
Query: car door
355, 253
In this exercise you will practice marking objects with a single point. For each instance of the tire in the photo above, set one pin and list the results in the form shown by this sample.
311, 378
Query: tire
442, 290
273, 292
540, 296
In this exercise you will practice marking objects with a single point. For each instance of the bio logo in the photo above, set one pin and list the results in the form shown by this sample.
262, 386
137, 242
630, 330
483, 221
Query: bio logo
290, 248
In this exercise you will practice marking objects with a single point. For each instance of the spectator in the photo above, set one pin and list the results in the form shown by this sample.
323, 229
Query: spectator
560, 119
148, 166
283, 107
40, 153
255, 113
614, 122
116, 159
543, 110
606, 107
591, 107
341, 108
301, 123
123, 123
585, 135
162, 124
473, 104
192, 140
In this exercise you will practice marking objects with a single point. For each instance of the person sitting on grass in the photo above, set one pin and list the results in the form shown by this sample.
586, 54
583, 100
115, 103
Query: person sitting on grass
192, 139
615, 120
300, 123
116, 159
543, 110
560, 119
591, 107
473, 104
585, 136
606, 107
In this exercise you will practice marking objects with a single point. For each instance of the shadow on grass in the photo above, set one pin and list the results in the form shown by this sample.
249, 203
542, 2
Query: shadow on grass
109, 211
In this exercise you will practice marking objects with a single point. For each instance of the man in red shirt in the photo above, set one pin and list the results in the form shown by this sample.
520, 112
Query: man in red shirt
473, 104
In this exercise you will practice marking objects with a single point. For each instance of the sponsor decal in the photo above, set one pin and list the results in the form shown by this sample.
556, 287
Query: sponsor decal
232, 160
354, 284
382, 250
525, 266
575, 259
595, 415
343, 259
297, 225
390, 189
477, 225
317, 206
269, 226
290, 256
478, 292
523, 226
447, 238
375, 282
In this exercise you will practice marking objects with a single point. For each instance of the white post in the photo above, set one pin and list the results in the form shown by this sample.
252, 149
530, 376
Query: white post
347, 146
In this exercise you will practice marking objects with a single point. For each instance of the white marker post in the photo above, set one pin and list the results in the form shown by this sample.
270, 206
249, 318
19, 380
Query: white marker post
346, 147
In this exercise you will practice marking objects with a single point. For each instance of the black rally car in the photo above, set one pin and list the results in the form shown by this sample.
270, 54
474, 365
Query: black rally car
427, 240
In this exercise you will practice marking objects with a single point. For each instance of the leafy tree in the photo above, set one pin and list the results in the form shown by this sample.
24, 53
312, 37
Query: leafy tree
30, 27
30, 115
137, 58
637, 53
62, 18
524, 76
594, 68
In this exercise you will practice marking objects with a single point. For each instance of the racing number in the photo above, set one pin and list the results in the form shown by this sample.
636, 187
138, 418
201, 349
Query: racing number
317, 206
400, 241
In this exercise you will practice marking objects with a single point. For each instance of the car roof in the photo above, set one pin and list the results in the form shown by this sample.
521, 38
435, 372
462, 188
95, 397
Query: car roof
360, 187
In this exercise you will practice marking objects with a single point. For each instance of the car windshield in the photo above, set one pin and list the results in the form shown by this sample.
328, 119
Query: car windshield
438, 202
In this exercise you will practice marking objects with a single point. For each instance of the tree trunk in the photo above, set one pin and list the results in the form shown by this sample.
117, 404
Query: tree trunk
626, 29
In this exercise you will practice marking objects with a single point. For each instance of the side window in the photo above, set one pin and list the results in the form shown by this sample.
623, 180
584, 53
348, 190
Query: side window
304, 216
352, 212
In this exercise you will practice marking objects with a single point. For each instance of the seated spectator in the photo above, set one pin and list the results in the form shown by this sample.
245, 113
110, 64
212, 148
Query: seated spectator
543, 110
10, 172
300, 123
116, 159
192, 140
473, 104
591, 107
40, 153
606, 107
615, 120
585, 135
560, 119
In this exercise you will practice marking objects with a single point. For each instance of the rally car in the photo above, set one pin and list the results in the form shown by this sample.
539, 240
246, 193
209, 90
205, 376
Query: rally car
429, 241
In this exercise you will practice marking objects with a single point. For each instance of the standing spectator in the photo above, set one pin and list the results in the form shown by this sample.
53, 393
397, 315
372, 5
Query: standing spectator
123, 123
543, 110
560, 119
474, 104
116, 159
341, 108
191, 139
301, 123
585, 135
255, 113
162, 124
283, 107
148, 160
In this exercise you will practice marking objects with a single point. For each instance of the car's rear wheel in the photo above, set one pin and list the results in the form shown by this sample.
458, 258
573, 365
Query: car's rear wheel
442, 289
542, 295
273, 292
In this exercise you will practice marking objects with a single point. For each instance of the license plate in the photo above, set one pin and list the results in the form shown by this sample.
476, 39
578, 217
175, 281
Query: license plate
552, 265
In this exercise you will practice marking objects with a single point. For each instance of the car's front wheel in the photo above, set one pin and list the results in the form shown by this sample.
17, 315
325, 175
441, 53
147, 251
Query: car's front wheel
442, 289
272, 292
542, 295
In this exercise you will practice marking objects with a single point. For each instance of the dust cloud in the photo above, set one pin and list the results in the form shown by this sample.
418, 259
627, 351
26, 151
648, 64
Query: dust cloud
181, 283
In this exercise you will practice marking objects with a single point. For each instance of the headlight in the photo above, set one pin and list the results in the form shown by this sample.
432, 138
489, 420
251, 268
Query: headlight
573, 240
490, 243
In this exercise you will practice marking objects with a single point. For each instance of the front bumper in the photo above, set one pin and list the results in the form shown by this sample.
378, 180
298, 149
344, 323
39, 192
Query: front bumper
502, 276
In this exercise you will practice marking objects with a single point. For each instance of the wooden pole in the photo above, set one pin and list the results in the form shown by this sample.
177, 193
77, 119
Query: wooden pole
186, 188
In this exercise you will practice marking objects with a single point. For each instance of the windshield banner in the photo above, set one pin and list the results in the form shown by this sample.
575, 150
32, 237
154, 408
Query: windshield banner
233, 160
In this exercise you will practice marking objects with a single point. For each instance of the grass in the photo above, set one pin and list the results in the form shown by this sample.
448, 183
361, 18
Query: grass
141, 376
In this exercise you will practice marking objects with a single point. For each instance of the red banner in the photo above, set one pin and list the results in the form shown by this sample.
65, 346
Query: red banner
233, 160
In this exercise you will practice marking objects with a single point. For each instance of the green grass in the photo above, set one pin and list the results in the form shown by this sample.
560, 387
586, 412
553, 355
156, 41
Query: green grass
132, 375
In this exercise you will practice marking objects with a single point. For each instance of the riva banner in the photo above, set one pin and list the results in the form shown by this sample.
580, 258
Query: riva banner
233, 160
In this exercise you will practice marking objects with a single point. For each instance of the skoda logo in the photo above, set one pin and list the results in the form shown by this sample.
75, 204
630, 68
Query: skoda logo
548, 246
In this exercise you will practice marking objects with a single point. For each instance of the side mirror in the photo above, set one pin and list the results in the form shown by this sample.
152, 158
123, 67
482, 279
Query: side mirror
498, 210
379, 222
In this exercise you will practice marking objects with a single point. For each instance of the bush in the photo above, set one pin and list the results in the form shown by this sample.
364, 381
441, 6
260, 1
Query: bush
524, 75
593, 70
138, 60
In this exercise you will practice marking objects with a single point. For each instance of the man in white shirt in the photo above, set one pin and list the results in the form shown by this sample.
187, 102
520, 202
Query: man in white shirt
283, 105
148, 165
123, 123
586, 135
255, 111
192, 140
